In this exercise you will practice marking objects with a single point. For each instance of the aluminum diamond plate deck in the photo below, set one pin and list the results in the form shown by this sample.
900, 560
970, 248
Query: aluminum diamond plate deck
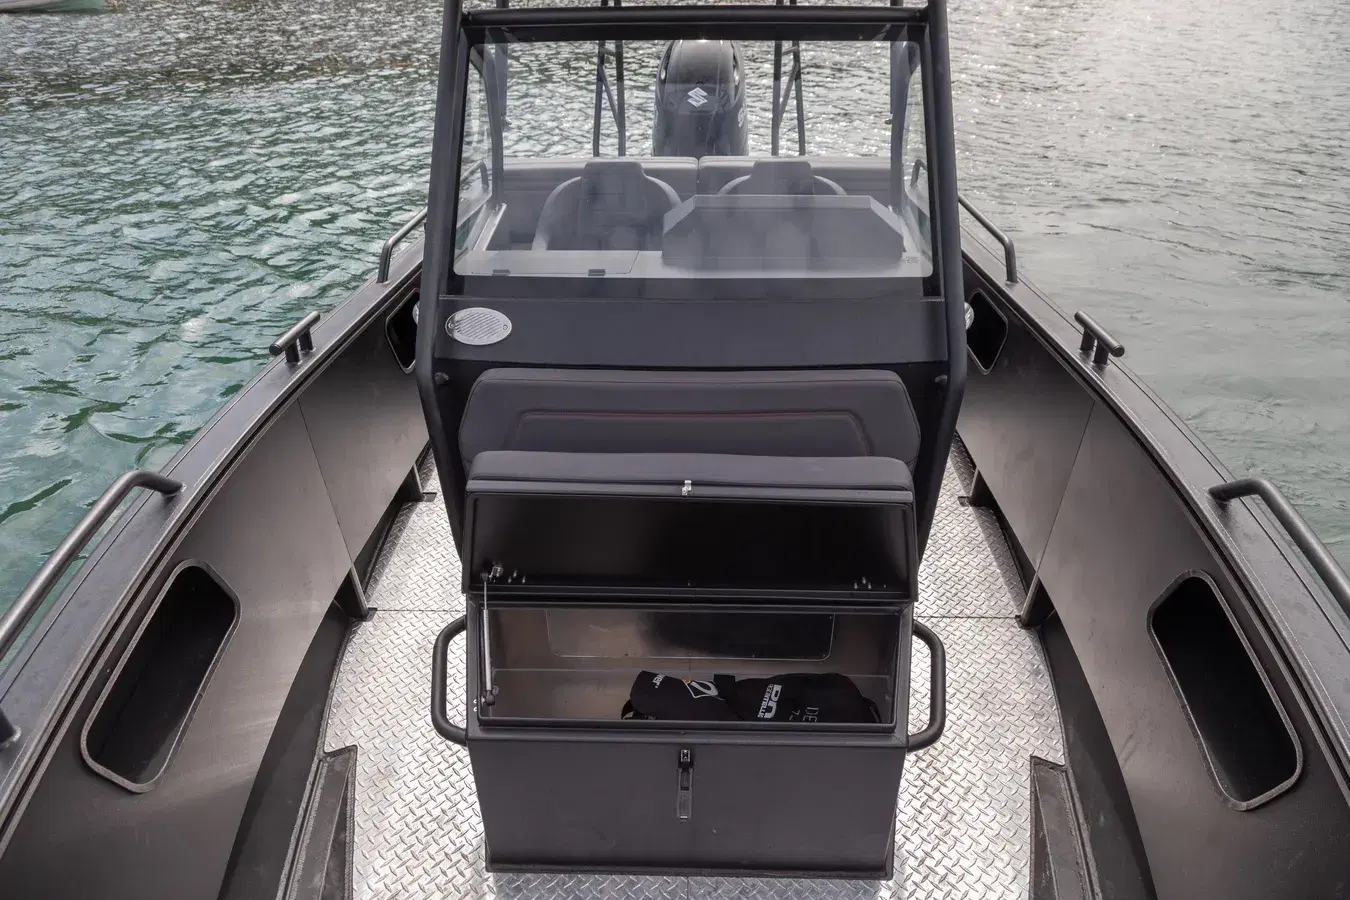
417, 567
964, 805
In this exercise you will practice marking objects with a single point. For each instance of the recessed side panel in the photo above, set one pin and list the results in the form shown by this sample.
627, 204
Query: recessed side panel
145, 709
1121, 541
269, 534
367, 426
1245, 732
1021, 420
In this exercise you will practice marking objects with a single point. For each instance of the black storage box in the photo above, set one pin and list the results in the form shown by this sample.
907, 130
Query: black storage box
583, 570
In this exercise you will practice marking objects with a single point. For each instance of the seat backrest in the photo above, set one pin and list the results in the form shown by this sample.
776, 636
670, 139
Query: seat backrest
855, 175
527, 183
613, 205
774, 413
782, 176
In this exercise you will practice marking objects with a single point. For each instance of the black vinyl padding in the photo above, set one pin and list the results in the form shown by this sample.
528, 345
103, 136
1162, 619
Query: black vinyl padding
832, 472
862, 412
612, 205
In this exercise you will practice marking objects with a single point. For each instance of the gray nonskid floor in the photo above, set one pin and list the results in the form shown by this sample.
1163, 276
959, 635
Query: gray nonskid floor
964, 805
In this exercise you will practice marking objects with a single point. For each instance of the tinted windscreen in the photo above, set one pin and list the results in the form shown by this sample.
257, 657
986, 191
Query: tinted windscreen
704, 158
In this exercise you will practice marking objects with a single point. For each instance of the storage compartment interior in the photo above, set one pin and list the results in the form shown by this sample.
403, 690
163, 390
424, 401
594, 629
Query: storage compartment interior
986, 331
1242, 729
400, 329
146, 707
575, 663
707, 544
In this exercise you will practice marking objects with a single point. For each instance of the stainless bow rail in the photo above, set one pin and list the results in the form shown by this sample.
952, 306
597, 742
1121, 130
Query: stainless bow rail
1316, 552
17, 616
387, 251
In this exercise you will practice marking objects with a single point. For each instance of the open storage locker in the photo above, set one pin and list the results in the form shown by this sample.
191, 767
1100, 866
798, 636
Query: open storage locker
585, 572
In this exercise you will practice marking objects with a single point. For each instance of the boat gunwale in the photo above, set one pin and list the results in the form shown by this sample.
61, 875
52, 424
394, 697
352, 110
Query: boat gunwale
147, 531
1218, 523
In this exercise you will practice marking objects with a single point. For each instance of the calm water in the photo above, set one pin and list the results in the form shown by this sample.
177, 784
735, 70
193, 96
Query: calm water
180, 182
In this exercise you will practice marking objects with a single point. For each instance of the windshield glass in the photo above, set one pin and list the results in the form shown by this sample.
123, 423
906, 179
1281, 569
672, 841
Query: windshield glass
652, 160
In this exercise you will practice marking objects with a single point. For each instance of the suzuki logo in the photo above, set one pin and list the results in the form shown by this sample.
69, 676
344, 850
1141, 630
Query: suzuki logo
697, 97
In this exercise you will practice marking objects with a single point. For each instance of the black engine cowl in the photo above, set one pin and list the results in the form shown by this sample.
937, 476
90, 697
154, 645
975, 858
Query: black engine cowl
700, 101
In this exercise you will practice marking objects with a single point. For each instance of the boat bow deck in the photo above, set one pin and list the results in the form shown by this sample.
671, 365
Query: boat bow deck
964, 809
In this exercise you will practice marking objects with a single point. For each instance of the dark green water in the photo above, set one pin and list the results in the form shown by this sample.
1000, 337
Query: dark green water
178, 183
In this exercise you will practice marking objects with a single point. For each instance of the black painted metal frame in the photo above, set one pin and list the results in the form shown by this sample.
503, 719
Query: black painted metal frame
462, 29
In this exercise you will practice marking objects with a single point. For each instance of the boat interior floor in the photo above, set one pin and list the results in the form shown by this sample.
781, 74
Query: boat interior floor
964, 809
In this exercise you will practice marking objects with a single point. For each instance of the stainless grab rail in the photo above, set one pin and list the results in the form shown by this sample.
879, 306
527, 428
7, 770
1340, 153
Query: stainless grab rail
1009, 251
387, 251
1316, 552
16, 617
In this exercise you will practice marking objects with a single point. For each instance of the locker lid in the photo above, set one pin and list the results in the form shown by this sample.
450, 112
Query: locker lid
689, 526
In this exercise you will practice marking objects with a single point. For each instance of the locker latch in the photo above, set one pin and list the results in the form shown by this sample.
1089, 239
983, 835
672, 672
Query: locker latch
684, 793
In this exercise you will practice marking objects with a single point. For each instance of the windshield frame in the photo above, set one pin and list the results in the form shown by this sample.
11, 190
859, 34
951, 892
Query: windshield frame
502, 27
593, 24
441, 292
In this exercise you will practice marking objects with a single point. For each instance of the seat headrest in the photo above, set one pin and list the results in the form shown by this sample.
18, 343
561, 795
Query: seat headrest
616, 191
781, 176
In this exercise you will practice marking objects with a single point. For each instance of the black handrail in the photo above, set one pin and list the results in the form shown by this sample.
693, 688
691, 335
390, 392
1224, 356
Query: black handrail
17, 616
296, 340
387, 251
1317, 554
1096, 340
1009, 251
440, 672
937, 689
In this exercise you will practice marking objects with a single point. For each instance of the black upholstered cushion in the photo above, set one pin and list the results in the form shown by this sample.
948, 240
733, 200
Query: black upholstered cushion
612, 205
787, 413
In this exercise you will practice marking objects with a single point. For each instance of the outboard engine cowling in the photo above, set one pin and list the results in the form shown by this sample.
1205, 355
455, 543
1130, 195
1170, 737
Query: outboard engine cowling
700, 101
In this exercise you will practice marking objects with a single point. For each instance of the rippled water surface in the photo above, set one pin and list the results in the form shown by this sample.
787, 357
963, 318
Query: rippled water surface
180, 182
